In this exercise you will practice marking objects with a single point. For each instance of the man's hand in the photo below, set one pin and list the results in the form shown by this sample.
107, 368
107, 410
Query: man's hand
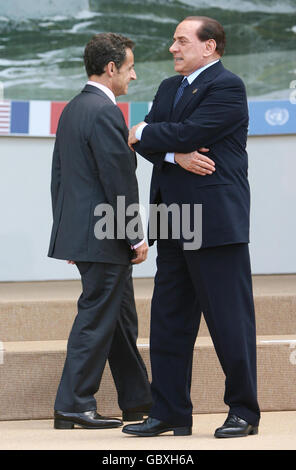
71, 262
196, 162
132, 139
141, 253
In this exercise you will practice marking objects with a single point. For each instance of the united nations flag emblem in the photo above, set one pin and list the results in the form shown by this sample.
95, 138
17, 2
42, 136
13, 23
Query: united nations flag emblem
277, 116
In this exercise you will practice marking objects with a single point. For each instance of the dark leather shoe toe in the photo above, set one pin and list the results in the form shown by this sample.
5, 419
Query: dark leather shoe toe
153, 427
235, 427
87, 419
136, 414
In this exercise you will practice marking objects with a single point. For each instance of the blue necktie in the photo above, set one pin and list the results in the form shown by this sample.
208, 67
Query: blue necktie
180, 90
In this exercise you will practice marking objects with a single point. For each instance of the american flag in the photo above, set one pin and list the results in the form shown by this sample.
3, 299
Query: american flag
5, 107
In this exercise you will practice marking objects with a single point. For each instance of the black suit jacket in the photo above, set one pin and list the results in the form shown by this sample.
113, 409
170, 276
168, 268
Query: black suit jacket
92, 164
213, 113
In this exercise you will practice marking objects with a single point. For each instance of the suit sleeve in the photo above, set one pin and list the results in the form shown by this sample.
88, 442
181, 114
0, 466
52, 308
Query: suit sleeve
156, 158
116, 164
55, 175
222, 110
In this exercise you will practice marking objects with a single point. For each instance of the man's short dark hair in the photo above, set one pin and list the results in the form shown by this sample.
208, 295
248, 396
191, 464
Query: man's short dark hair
210, 29
104, 48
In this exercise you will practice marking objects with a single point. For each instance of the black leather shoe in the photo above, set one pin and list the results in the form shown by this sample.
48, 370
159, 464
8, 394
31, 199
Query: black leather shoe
137, 413
153, 427
236, 427
87, 419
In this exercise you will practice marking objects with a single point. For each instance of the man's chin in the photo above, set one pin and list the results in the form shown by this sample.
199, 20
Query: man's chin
178, 68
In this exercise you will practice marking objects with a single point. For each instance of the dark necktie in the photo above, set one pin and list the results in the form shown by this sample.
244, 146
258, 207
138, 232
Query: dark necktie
180, 90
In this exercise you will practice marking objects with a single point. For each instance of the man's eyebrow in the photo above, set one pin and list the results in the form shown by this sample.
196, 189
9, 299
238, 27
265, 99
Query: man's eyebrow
180, 37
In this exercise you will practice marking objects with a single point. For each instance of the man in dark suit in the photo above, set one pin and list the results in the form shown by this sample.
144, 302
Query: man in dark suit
92, 167
205, 107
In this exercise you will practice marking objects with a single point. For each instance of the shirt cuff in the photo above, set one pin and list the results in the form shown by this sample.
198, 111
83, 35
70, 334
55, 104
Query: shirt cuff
133, 247
170, 157
140, 130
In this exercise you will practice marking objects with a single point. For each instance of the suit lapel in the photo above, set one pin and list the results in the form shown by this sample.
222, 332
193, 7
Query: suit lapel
194, 92
187, 98
170, 96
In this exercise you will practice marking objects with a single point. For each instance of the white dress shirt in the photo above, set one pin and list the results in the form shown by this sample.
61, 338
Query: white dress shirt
170, 157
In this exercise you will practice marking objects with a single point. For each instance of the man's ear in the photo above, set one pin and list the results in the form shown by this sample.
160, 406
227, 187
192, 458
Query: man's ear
110, 69
210, 47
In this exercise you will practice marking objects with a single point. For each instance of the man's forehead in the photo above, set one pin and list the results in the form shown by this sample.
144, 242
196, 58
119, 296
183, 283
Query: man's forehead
129, 52
186, 29
129, 55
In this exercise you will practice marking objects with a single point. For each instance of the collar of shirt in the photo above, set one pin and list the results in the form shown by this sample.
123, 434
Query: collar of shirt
103, 88
195, 74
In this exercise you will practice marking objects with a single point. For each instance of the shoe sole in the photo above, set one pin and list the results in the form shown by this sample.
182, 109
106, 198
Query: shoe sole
253, 432
65, 424
182, 431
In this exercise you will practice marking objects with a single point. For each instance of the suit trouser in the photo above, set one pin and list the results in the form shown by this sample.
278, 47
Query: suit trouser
104, 328
215, 281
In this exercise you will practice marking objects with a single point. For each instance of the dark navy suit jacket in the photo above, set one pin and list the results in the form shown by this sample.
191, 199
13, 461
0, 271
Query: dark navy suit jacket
213, 113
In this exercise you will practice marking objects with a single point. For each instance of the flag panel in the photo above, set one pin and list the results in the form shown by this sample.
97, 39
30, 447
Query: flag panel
125, 108
4, 117
138, 111
19, 117
272, 117
39, 119
56, 111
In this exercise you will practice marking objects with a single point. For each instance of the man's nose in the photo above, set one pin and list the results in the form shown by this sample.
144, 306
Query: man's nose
173, 47
133, 75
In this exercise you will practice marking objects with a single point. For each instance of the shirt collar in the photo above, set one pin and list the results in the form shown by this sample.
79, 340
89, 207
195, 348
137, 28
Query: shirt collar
195, 74
103, 88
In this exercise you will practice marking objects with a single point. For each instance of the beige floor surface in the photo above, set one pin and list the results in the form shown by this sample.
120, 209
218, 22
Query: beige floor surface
284, 284
277, 429
277, 432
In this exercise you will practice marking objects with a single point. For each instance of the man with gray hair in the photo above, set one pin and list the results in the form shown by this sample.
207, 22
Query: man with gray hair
204, 107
